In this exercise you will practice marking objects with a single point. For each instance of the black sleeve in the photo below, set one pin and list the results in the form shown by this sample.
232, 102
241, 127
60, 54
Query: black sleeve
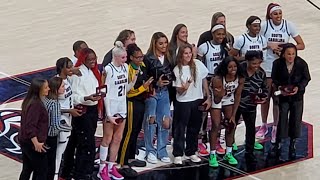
107, 58
305, 77
275, 74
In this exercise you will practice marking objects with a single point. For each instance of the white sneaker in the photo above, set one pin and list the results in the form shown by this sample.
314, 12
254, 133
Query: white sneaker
178, 160
152, 158
194, 158
165, 159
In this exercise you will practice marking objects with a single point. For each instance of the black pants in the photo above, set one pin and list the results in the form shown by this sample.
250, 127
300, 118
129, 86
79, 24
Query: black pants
51, 154
290, 118
33, 161
69, 153
249, 119
131, 131
85, 127
186, 115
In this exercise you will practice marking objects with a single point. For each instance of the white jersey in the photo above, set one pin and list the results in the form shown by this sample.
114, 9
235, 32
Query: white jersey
230, 88
66, 101
275, 34
117, 82
212, 55
247, 43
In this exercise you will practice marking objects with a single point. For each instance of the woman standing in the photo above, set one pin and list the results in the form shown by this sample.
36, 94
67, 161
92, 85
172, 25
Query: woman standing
56, 124
277, 31
227, 86
157, 112
290, 75
86, 99
135, 100
190, 83
254, 92
249, 41
34, 131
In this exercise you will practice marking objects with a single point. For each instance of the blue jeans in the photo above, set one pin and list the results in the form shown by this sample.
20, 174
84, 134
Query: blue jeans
157, 106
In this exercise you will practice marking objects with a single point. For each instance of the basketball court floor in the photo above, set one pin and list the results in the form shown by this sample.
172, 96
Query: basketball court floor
34, 34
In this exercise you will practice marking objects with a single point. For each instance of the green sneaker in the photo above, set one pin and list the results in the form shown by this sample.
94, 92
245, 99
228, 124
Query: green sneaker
231, 160
234, 147
258, 146
213, 160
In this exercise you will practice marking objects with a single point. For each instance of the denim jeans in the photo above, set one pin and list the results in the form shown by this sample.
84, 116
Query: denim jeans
157, 106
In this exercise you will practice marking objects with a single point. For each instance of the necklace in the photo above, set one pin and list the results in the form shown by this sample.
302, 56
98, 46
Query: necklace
289, 66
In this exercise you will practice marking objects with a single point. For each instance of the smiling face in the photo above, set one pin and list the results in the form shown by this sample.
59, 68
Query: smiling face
276, 16
130, 40
221, 20
183, 34
232, 68
187, 55
121, 58
44, 89
161, 45
254, 28
137, 58
254, 64
290, 55
219, 35
91, 60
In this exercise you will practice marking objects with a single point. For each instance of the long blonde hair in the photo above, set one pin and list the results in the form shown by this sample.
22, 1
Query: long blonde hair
191, 64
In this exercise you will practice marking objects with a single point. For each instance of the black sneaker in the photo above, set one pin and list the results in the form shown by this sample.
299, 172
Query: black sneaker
138, 163
128, 172
250, 157
292, 151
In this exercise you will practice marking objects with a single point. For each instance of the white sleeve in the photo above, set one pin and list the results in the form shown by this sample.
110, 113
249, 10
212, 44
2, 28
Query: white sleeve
202, 50
77, 97
177, 82
107, 102
292, 29
264, 42
202, 69
238, 43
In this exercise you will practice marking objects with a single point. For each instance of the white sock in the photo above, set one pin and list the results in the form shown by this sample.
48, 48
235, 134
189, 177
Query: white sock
103, 156
229, 149
110, 165
213, 152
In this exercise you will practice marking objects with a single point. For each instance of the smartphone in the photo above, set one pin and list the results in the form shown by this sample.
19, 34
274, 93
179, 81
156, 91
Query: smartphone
101, 91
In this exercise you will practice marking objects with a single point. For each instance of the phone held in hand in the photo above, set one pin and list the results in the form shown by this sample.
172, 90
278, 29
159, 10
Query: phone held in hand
82, 108
120, 119
101, 91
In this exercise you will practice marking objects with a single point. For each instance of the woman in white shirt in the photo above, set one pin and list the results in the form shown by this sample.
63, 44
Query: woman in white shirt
277, 31
190, 82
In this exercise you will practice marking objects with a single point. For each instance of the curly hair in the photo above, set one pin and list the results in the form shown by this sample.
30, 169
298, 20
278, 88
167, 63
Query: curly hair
222, 68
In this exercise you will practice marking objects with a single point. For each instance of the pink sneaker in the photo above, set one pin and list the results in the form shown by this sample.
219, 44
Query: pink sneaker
262, 132
202, 150
220, 149
115, 174
104, 175
274, 134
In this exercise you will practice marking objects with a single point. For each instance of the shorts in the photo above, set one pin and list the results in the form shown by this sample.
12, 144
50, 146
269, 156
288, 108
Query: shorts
118, 107
224, 102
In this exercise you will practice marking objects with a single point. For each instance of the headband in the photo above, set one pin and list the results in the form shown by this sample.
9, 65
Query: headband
216, 27
257, 21
274, 9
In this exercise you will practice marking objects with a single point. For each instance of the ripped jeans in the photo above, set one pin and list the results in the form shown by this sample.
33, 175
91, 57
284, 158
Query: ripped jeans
157, 109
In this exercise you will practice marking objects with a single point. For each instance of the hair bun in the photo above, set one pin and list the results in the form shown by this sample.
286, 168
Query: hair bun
118, 44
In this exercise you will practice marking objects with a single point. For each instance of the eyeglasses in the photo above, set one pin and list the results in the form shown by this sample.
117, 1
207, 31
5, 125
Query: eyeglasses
138, 57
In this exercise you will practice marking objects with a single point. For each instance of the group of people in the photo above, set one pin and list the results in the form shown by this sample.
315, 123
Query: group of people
223, 77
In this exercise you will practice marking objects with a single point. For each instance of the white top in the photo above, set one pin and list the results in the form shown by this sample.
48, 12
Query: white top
276, 34
195, 90
161, 58
245, 43
230, 87
84, 85
212, 55
74, 60
65, 99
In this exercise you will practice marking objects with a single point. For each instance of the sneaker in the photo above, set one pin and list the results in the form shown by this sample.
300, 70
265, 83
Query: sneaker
194, 158
152, 158
234, 147
128, 172
258, 146
274, 134
165, 160
262, 132
220, 149
213, 160
137, 163
231, 160
115, 174
178, 160
202, 150
104, 175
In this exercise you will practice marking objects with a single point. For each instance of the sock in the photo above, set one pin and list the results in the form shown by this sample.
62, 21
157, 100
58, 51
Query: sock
103, 156
274, 127
229, 149
110, 165
213, 152
264, 124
